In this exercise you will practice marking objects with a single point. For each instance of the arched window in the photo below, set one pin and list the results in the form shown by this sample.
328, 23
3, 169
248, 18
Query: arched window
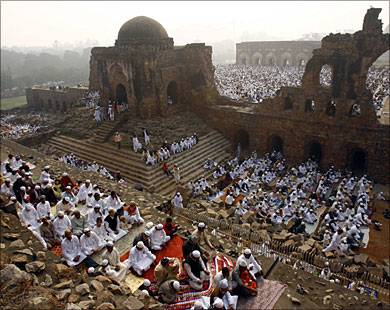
288, 103
302, 63
309, 105
243, 139
377, 81
326, 76
121, 94
313, 150
276, 144
331, 108
172, 93
358, 161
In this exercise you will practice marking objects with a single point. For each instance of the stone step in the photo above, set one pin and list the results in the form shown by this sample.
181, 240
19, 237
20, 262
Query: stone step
196, 161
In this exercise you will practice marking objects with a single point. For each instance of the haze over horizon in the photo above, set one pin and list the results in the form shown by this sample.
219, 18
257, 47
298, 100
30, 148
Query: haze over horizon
40, 24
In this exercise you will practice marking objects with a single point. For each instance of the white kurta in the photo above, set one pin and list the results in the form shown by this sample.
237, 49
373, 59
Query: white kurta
116, 204
158, 238
60, 225
92, 217
83, 192
91, 243
177, 201
70, 249
251, 261
334, 243
43, 209
135, 217
117, 276
102, 233
140, 260
30, 218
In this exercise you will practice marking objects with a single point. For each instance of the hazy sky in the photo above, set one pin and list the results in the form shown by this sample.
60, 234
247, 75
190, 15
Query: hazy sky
40, 23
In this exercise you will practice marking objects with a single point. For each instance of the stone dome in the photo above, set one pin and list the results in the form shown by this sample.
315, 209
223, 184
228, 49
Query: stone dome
141, 28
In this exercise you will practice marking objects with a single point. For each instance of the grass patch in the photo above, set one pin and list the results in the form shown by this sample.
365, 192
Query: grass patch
14, 102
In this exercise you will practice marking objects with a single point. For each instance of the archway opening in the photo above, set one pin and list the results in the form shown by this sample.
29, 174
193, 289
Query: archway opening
243, 139
256, 61
378, 81
358, 161
314, 151
331, 108
121, 94
302, 62
172, 93
288, 103
355, 110
276, 144
271, 61
326, 76
309, 105
286, 62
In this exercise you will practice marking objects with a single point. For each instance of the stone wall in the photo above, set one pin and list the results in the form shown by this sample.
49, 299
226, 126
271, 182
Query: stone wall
282, 53
55, 100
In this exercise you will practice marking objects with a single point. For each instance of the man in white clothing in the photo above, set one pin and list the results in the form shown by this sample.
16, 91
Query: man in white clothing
93, 214
71, 249
335, 242
6, 188
113, 201
61, 224
113, 273
113, 257
29, 216
85, 188
177, 201
90, 242
140, 258
158, 237
43, 208
253, 266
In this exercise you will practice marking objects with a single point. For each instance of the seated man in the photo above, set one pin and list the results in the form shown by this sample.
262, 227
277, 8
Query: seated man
90, 242
253, 266
131, 213
93, 214
101, 231
48, 233
203, 239
84, 189
112, 224
113, 273
168, 290
65, 205
229, 301
113, 257
61, 224
78, 223
43, 208
158, 238
29, 217
170, 228
166, 269
140, 259
196, 270
113, 201
243, 282
71, 249
190, 245
144, 237
221, 275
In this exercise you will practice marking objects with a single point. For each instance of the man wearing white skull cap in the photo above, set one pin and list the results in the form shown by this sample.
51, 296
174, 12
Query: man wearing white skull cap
168, 291
140, 258
196, 270
253, 266
158, 237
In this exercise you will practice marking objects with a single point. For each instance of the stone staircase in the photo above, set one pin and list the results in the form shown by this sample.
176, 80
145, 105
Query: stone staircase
106, 130
131, 166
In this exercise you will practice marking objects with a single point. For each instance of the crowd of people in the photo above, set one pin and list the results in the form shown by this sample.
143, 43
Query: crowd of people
275, 194
256, 83
83, 220
75, 162
10, 130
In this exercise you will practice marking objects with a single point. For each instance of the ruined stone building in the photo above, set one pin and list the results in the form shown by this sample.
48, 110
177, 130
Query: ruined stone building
146, 70
54, 99
269, 53
336, 125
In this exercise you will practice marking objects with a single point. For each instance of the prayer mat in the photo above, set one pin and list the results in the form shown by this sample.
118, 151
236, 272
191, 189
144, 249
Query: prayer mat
133, 282
268, 294
56, 250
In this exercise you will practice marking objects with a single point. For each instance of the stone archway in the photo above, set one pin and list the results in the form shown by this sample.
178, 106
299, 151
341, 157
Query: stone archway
357, 161
301, 59
270, 59
172, 93
243, 59
313, 150
121, 94
257, 59
243, 139
286, 60
276, 144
